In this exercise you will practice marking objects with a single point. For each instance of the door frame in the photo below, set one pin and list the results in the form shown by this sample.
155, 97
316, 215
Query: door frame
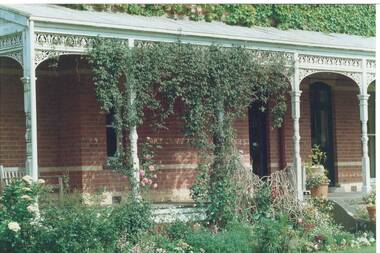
331, 151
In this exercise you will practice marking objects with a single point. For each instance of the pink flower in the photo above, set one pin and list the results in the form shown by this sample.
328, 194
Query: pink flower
142, 173
151, 168
145, 180
155, 185
149, 181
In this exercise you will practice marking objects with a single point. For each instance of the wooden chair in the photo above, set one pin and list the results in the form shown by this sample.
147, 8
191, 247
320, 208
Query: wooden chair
7, 173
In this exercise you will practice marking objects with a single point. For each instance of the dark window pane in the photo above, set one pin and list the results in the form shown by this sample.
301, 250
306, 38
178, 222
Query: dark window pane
111, 141
109, 119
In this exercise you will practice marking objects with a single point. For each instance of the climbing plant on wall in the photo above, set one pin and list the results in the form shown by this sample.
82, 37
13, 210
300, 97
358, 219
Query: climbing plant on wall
344, 18
215, 84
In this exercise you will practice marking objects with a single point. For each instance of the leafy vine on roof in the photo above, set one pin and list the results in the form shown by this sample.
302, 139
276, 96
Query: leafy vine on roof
358, 19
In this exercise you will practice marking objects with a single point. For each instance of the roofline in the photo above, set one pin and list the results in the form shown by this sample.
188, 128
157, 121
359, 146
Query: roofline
181, 33
178, 33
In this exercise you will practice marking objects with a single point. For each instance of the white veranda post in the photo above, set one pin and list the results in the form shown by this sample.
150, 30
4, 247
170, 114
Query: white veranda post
363, 102
295, 96
133, 136
30, 103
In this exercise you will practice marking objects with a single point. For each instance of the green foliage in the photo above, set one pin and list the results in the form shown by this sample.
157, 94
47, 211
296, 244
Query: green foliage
77, 228
26, 227
215, 84
316, 180
237, 238
132, 219
19, 216
318, 157
178, 230
370, 199
344, 18
277, 235
323, 205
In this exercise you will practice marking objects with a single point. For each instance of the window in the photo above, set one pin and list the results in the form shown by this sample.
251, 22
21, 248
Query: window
111, 136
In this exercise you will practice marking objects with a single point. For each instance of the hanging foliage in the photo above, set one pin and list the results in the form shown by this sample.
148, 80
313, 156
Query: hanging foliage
215, 84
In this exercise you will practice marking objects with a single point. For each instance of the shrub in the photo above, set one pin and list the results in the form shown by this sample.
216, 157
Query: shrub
132, 219
19, 216
277, 235
178, 230
77, 228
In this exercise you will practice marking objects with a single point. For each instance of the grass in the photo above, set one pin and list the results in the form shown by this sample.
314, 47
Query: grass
371, 249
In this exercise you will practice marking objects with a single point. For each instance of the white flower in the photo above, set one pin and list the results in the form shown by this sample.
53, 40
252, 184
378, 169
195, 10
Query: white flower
26, 197
14, 226
26, 189
32, 208
40, 181
371, 240
27, 179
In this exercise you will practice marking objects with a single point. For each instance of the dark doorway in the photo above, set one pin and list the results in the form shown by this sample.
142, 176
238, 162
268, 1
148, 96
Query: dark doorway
321, 124
258, 139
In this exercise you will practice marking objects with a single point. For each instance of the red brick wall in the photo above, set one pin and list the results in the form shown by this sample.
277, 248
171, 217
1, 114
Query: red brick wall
347, 133
12, 116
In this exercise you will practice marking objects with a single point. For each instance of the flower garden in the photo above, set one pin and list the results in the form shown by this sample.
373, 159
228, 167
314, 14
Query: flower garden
266, 219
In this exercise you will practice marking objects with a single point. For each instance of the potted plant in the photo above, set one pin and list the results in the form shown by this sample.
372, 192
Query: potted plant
318, 185
370, 201
318, 158
316, 180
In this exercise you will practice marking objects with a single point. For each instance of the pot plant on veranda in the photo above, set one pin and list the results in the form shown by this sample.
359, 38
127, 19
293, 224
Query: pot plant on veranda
370, 201
316, 179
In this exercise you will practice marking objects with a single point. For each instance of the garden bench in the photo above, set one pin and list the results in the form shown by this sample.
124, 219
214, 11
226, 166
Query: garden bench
8, 173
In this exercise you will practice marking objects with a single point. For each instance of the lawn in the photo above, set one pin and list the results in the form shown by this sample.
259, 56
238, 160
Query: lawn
371, 249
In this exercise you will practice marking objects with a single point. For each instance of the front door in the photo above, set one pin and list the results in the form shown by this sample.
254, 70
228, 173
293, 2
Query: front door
258, 139
321, 124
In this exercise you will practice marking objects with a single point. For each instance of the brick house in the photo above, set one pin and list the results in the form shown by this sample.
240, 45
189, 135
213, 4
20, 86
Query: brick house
51, 122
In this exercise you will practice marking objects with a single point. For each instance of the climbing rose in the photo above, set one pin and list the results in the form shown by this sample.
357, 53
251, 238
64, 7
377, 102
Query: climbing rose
26, 197
151, 168
155, 185
142, 173
32, 208
145, 180
14, 226
27, 179
40, 181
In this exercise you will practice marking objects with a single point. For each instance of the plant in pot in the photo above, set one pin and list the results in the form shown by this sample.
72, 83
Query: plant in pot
316, 179
318, 185
370, 201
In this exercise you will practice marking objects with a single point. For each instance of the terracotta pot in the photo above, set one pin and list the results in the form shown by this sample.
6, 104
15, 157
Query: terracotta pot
372, 212
320, 191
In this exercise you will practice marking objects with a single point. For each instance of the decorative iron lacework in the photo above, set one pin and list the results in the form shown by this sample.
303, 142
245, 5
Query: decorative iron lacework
370, 78
356, 76
371, 65
12, 41
62, 41
328, 61
16, 55
11, 46
52, 45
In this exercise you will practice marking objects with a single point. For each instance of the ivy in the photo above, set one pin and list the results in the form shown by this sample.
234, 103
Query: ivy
215, 84
344, 18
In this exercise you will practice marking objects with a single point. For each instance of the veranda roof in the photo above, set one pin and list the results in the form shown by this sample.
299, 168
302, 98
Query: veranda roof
217, 30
